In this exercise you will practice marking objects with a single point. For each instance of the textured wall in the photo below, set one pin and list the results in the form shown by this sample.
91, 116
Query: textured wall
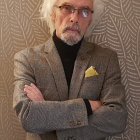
119, 29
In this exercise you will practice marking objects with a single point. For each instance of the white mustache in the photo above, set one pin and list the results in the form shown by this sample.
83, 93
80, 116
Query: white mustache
72, 27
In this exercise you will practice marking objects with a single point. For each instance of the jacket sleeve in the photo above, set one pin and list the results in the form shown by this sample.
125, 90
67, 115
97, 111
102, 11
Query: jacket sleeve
110, 118
40, 117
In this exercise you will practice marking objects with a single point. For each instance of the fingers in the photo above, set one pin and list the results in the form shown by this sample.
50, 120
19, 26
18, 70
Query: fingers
33, 92
95, 104
29, 89
28, 92
34, 87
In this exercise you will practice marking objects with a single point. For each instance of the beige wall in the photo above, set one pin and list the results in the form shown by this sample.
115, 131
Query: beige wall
20, 27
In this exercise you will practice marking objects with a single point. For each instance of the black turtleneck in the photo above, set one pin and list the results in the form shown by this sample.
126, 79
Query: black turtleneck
68, 56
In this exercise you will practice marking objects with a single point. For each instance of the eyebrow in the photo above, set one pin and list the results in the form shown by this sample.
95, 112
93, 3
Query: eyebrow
69, 4
66, 3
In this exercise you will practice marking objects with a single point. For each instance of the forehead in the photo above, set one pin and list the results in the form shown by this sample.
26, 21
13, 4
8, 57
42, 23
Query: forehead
77, 3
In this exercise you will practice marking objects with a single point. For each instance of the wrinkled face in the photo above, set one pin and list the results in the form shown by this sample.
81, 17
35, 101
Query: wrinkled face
70, 23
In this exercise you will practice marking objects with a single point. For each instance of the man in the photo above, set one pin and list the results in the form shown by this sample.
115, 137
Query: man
69, 89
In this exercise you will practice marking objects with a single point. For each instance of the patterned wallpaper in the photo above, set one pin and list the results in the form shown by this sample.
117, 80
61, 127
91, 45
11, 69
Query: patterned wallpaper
119, 29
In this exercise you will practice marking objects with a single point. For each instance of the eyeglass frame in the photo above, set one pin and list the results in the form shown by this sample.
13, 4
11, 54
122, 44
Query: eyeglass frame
78, 9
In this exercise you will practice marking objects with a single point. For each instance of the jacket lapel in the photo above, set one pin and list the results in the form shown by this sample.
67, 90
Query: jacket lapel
80, 67
57, 69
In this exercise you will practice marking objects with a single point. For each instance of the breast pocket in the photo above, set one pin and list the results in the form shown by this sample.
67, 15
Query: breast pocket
91, 87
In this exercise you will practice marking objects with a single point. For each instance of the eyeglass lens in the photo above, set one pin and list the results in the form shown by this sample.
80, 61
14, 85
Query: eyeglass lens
68, 9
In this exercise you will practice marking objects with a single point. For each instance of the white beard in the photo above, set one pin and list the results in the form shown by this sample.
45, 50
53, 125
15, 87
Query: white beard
71, 38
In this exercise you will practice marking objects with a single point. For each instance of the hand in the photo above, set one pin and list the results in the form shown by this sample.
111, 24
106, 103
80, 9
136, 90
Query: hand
95, 104
33, 93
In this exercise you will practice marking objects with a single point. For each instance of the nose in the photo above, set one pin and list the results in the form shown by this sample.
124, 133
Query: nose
74, 17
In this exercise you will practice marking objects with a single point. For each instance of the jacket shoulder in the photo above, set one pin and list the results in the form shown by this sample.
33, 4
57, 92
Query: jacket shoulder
101, 51
36, 50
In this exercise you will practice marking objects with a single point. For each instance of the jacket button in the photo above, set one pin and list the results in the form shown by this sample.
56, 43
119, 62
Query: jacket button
72, 123
79, 123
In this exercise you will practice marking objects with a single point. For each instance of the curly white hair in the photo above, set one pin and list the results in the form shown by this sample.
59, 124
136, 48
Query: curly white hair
47, 9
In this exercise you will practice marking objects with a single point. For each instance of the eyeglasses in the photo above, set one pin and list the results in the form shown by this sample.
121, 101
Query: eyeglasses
68, 9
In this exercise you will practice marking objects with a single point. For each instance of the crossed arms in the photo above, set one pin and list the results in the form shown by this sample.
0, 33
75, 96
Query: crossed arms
39, 116
35, 94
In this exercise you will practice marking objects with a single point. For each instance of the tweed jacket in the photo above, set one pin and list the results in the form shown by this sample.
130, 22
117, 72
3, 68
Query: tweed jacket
63, 114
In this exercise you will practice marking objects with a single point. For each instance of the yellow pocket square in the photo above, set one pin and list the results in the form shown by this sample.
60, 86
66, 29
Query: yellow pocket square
90, 72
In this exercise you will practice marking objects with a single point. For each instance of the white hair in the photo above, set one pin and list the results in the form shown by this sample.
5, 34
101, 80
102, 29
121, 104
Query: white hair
47, 9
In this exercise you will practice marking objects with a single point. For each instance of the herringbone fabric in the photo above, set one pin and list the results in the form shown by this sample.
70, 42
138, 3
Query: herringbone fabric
21, 27
66, 112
